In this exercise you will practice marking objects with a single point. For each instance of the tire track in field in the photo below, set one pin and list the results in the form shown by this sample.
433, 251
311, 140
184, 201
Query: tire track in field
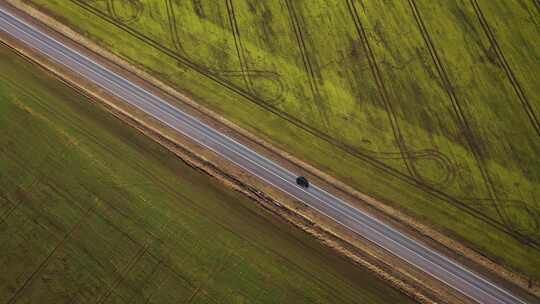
147, 279
9, 203
121, 276
246, 72
308, 65
408, 156
137, 10
114, 225
467, 130
131, 264
217, 269
352, 151
144, 246
248, 75
532, 230
39, 177
15, 205
535, 17
302, 47
22, 192
45, 261
537, 5
532, 116
173, 29
136, 297
240, 50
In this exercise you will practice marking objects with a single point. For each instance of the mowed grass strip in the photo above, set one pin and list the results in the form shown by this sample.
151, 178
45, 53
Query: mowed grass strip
91, 211
426, 105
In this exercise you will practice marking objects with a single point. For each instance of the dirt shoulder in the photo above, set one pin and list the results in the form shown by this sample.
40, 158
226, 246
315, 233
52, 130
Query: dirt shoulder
414, 283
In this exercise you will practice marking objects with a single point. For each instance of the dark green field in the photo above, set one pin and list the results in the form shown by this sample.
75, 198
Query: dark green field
91, 211
429, 105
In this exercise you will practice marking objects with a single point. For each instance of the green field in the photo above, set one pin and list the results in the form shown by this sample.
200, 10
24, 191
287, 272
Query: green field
430, 106
91, 211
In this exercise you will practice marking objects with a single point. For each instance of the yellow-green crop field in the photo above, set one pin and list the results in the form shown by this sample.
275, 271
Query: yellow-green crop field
429, 105
91, 211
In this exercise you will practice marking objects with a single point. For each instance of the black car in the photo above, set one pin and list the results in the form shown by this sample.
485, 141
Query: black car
302, 182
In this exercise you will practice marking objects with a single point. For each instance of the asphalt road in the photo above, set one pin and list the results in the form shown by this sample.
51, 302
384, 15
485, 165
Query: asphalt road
402, 246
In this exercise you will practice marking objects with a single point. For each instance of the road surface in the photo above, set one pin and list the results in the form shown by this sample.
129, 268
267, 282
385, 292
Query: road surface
385, 236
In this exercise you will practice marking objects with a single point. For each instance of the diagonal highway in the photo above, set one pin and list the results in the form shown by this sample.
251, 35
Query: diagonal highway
413, 252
